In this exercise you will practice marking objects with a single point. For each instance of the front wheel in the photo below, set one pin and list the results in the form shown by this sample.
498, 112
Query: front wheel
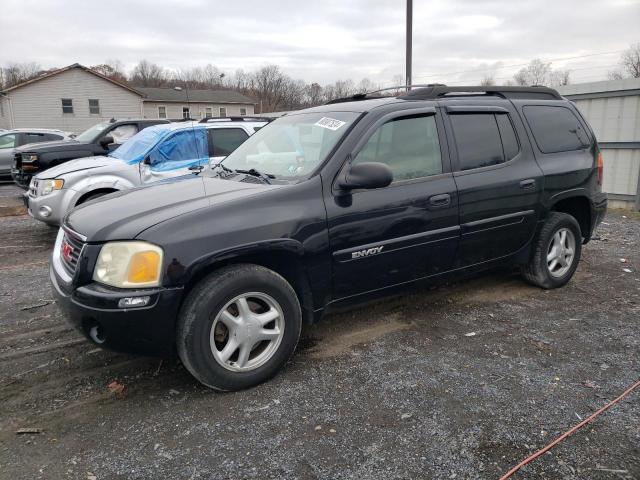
238, 327
556, 252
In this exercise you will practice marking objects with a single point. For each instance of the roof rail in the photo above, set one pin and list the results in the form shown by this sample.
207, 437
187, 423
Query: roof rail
433, 91
439, 91
365, 95
236, 119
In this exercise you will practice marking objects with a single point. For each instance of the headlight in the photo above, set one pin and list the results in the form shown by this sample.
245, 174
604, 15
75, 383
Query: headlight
49, 186
129, 265
29, 157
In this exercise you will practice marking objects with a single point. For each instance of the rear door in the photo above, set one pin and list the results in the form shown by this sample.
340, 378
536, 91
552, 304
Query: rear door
403, 232
223, 141
499, 183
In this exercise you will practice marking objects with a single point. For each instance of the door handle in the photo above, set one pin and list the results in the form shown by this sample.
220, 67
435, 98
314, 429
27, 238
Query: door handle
440, 200
528, 184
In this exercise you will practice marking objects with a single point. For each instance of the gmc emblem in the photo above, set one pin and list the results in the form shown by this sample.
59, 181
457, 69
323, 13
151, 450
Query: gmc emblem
67, 250
367, 252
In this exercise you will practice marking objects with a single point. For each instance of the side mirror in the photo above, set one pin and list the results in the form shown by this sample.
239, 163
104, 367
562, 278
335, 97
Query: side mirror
367, 175
106, 141
147, 160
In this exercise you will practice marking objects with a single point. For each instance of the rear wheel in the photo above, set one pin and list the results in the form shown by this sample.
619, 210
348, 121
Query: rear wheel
238, 327
556, 252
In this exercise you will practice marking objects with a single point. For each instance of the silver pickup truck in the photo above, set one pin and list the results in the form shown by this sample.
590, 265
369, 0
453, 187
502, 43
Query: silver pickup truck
156, 153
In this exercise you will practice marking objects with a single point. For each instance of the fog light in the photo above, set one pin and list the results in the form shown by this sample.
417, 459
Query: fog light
45, 211
134, 302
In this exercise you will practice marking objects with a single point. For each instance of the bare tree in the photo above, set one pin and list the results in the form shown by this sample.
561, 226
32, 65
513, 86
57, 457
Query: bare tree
15, 73
615, 75
147, 74
113, 69
487, 81
630, 61
536, 73
558, 78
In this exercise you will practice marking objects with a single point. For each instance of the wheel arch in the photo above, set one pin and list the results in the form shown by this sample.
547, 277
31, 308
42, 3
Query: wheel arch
579, 207
283, 257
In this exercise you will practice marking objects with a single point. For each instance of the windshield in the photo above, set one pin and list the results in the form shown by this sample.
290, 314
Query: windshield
134, 148
292, 146
90, 135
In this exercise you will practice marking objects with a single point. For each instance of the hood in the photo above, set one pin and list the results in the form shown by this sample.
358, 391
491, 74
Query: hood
124, 215
77, 165
56, 146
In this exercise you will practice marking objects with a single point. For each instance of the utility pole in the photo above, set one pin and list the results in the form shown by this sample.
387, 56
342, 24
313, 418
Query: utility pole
409, 42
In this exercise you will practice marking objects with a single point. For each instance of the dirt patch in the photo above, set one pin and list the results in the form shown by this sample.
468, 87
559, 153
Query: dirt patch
330, 343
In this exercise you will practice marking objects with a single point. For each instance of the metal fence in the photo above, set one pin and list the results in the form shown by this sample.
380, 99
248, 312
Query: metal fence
612, 108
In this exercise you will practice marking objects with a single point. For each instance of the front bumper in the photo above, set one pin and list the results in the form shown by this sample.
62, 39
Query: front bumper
21, 178
93, 310
51, 208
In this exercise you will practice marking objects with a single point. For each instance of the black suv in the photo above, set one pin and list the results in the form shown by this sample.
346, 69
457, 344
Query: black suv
100, 139
326, 207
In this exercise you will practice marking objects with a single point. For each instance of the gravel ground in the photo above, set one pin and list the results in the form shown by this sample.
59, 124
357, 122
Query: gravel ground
462, 381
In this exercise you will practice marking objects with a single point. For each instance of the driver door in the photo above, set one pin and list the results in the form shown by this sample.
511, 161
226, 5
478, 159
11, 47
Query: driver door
175, 155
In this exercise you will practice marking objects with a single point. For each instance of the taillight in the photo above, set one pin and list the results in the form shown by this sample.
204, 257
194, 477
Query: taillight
600, 168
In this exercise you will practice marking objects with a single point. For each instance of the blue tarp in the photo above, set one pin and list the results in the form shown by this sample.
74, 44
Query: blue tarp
181, 150
167, 150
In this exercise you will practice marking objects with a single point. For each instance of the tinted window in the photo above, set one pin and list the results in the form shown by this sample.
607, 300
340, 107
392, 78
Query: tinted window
51, 137
478, 140
556, 129
34, 137
508, 136
226, 140
409, 146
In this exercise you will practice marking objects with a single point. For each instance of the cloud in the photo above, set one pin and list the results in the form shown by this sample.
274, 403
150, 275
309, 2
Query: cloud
323, 41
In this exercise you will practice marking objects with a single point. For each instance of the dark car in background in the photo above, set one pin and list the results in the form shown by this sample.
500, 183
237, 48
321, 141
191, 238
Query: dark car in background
97, 140
327, 207
10, 140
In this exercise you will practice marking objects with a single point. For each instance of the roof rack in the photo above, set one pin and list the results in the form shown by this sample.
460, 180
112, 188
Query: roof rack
438, 91
434, 91
236, 119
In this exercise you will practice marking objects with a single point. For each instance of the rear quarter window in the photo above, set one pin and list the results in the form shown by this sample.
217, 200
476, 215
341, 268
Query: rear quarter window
555, 129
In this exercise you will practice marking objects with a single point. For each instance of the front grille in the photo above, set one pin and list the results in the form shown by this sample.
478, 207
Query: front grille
70, 250
33, 188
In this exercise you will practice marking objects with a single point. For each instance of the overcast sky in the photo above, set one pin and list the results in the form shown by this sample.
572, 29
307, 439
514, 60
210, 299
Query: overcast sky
326, 40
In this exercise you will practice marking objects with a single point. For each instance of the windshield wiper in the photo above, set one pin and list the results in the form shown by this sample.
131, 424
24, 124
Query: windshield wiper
255, 173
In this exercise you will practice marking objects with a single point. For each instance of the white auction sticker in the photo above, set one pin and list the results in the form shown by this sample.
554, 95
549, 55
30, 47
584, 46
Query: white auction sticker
330, 123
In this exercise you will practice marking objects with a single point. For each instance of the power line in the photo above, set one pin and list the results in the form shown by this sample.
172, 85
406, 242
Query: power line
516, 65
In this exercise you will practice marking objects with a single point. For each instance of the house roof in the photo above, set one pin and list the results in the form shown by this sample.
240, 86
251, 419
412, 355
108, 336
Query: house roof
163, 94
51, 73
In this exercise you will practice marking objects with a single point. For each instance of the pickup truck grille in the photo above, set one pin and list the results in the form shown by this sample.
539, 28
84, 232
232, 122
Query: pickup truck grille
70, 250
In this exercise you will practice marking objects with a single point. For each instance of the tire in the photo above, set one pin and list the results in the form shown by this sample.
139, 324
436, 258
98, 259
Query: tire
204, 316
541, 271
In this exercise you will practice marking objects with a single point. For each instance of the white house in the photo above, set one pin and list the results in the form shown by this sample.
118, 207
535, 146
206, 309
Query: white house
74, 98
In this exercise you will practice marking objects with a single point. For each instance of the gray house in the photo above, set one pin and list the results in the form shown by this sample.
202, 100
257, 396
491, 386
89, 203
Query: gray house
188, 103
75, 98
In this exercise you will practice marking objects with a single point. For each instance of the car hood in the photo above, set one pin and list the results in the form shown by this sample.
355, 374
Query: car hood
77, 165
124, 215
56, 146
